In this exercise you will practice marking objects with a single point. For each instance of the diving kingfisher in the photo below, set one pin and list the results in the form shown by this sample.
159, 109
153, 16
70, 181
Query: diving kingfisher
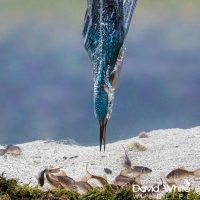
106, 25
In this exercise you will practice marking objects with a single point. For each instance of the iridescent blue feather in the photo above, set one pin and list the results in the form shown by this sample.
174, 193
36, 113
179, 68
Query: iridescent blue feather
106, 25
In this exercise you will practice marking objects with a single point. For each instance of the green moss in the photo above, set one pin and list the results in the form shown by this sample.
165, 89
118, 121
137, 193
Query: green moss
192, 195
11, 190
60, 194
125, 193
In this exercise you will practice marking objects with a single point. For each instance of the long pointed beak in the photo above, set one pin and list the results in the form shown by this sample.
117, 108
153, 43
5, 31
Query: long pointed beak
103, 134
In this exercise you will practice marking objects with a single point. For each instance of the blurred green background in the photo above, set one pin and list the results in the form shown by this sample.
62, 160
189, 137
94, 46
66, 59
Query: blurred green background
46, 76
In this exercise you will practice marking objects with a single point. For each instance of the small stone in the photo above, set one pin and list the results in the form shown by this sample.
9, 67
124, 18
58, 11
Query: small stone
37, 162
143, 135
108, 171
136, 146
2, 152
73, 157
92, 164
12, 149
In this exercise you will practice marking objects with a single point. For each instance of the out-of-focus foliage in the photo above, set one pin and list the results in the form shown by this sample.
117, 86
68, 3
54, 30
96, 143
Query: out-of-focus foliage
10, 189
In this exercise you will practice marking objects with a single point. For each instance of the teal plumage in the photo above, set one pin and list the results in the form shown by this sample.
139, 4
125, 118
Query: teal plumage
104, 36
105, 27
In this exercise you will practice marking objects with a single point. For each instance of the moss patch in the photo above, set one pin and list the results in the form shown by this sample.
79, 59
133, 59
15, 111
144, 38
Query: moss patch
11, 190
192, 195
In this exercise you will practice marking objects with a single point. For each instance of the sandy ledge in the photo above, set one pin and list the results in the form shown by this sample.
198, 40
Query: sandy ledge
166, 150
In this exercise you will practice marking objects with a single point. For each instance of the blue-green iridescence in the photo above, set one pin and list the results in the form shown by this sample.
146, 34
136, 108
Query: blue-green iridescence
105, 28
104, 37
101, 105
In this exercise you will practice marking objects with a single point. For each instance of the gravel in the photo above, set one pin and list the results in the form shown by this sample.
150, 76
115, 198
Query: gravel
165, 150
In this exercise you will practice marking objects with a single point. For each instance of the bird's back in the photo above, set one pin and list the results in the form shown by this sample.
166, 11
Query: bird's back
103, 36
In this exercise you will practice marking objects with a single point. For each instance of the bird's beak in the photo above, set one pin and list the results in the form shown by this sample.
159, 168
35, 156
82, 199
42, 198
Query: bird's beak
103, 133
